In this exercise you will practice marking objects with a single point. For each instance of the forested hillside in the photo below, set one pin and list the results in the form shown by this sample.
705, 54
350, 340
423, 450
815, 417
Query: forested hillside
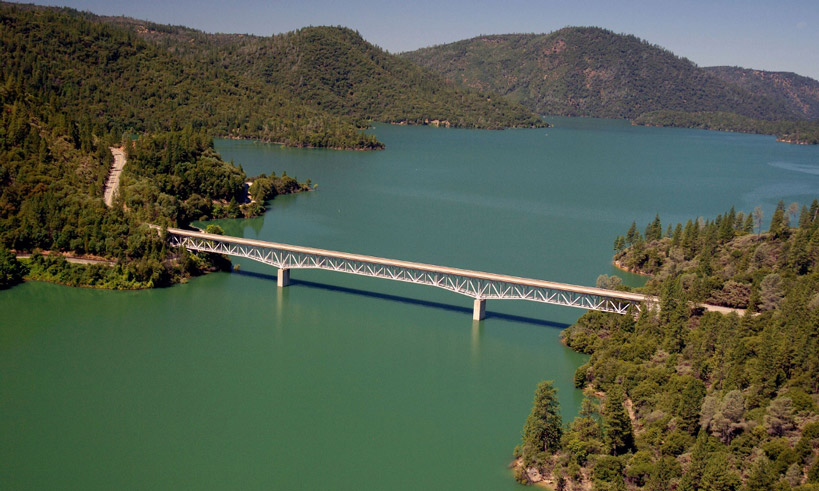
110, 77
587, 71
800, 94
69, 90
802, 131
334, 69
682, 399
74, 84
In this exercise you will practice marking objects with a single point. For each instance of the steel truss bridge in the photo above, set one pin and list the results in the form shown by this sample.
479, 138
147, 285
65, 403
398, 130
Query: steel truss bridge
480, 286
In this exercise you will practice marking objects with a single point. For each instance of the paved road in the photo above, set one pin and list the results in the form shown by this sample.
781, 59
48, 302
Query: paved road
112, 184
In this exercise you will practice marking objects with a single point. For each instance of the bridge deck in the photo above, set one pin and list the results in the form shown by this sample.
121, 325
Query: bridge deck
476, 284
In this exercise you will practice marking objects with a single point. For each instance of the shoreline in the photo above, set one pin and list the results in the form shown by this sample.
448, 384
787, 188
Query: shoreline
621, 267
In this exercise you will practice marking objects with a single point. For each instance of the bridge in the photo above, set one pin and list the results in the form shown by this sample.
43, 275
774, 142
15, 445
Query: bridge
475, 284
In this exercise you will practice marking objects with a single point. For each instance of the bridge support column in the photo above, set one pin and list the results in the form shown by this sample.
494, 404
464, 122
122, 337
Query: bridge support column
479, 309
283, 277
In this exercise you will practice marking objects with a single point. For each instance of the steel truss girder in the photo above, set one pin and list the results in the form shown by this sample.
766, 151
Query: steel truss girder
478, 288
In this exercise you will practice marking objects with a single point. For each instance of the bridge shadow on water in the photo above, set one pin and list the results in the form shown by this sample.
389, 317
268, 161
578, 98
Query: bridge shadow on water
407, 300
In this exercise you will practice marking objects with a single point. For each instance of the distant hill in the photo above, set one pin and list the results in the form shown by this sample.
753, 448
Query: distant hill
800, 94
74, 64
334, 70
588, 71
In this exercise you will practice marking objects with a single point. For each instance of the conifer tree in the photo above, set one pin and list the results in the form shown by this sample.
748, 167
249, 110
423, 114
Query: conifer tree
748, 226
688, 408
758, 216
618, 430
544, 426
633, 235
677, 236
762, 476
779, 222
654, 230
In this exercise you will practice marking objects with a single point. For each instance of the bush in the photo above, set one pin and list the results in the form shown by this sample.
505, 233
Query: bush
11, 270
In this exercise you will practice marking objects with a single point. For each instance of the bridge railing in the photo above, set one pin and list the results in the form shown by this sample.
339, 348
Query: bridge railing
478, 285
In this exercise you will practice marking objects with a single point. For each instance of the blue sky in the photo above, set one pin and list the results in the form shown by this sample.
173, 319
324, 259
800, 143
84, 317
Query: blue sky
778, 35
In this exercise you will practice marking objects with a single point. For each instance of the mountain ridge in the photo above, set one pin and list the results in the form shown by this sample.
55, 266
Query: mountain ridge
590, 71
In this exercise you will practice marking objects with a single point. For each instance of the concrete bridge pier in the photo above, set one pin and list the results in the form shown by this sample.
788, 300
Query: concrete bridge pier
283, 277
479, 309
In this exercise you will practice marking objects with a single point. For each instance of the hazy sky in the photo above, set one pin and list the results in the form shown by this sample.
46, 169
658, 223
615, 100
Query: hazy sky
778, 35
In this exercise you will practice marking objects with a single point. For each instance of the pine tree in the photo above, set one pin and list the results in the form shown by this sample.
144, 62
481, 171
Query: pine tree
762, 476
758, 217
688, 409
804, 218
726, 228
677, 236
779, 222
654, 230
673, 312
748, 227
633, 235
619, 434
717, 476
544, 426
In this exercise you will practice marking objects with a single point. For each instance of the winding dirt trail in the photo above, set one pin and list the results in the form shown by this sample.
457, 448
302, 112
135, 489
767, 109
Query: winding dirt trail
112, 184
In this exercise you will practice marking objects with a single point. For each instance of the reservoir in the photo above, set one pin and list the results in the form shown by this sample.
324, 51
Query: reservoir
345, 382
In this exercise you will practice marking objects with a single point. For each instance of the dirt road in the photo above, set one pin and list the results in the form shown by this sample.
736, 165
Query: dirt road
112, 184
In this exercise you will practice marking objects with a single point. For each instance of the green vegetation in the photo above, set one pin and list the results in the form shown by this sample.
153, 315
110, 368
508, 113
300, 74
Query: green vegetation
586, 71
74, 84
695, 399
145, 272
11, 270
333, 69
805, 132
800, 94
113, 82
542, 431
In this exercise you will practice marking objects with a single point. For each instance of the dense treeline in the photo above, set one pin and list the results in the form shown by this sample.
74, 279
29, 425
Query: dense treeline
55, 157
588, 71
334, 70
800, 94
679, 398
74, 84
723, 262
804, 132
76, 64
582, 71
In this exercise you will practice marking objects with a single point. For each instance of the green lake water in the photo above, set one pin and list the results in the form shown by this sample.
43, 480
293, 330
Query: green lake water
344, 382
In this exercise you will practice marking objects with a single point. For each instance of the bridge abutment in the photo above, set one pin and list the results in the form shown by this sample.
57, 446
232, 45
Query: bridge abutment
283, 277
479, 309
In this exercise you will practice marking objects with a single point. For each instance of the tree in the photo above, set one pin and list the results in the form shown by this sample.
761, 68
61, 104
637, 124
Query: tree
762, 477
633, 235
654, 230
214, 229
608, 282
724, 419
758, 217
544, 426
779, 419
688, 408
11, 270
771, 292
717, 476
618, 430
779, 221
619, 243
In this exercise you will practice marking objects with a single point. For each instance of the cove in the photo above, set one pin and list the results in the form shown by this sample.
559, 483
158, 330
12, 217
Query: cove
344, 382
